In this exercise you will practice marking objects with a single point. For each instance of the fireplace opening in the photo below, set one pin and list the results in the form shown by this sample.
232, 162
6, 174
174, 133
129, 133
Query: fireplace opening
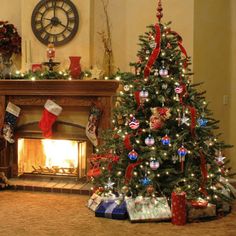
52, 157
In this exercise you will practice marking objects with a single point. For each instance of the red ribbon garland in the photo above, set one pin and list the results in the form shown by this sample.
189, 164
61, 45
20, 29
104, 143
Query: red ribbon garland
204, 173
129, 171
183, 50
193, 119
155, 52
127, 142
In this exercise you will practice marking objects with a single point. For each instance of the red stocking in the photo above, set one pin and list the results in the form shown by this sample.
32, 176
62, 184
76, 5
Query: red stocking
49, 116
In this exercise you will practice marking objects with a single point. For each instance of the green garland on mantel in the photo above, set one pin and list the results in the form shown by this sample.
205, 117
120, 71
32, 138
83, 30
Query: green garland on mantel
52, 75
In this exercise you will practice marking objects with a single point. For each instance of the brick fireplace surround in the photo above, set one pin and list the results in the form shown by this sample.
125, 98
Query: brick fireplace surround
71, 95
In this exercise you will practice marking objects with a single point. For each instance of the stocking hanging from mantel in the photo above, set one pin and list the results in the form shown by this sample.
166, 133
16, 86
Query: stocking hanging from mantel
10, 119
92, 125
50, 113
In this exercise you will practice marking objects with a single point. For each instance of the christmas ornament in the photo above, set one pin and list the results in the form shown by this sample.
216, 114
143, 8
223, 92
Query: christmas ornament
133, 124
156, 72
164, 86
155, 122
165, 140
50, 113
133, 155
152, 44
109, 184
154, 165
202, 122
145, 181
11, 115
182, 151
92, 125
150, 189
143, 95
163, 72
149, 141
220, 158
179, 89
126, 88
184, 120
125, 189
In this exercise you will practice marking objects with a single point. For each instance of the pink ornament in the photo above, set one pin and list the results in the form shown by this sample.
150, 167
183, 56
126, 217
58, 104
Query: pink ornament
149, 141
154, 165
179, 89
163, 72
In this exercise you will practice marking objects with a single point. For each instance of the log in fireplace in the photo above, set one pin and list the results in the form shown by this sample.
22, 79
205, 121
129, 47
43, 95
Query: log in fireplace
76, 97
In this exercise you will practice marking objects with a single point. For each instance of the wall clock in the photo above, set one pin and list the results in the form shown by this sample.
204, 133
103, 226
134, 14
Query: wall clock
55, 21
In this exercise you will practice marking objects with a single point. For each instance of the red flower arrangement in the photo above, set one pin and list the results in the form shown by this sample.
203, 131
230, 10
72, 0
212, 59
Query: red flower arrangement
10, 40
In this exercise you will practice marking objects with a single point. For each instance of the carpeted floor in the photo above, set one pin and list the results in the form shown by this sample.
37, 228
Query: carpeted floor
42, 214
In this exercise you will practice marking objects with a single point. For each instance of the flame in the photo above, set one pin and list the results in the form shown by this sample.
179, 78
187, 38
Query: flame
61, 153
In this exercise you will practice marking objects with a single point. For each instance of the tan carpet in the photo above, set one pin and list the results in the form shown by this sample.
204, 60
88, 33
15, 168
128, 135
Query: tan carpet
36, 214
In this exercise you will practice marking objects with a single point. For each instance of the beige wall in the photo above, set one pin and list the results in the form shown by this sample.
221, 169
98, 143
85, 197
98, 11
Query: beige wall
212, 46
129, 19
78, 46
232, 83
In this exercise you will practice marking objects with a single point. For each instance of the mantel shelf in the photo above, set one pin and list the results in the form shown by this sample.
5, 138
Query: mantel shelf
59, 87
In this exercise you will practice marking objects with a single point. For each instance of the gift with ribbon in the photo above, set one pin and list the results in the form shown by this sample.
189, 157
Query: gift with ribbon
197, 213
94, 202
178, 207
146, 209
113, 209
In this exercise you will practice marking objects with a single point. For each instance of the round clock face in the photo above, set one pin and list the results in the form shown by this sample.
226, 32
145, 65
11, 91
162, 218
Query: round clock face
55, 21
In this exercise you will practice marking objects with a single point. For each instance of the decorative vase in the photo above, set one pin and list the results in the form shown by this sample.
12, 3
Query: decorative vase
75, 68
7, 66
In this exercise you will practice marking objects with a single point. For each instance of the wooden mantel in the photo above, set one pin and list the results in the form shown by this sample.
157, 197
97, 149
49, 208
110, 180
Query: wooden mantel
71, 94
59, 87
65, 92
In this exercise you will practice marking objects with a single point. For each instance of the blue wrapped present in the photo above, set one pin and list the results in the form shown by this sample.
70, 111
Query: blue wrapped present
113, 209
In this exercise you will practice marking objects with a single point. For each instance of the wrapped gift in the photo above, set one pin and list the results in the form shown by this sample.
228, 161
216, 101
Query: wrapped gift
94, 201
195, 213
178, 208
148, 209
113, 209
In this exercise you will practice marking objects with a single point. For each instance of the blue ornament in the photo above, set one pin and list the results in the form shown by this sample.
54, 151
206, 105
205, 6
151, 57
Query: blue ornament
165, 140
145, 181
133, 155
202, 122
182, 151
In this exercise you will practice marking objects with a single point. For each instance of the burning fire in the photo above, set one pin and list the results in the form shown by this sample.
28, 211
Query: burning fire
60, 153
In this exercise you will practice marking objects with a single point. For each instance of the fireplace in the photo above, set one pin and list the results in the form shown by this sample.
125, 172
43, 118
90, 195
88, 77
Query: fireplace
31, 154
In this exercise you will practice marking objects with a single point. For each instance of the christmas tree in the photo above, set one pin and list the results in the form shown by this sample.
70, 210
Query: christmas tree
164, 136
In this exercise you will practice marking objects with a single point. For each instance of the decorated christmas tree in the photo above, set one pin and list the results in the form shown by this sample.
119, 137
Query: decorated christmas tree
164, 136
